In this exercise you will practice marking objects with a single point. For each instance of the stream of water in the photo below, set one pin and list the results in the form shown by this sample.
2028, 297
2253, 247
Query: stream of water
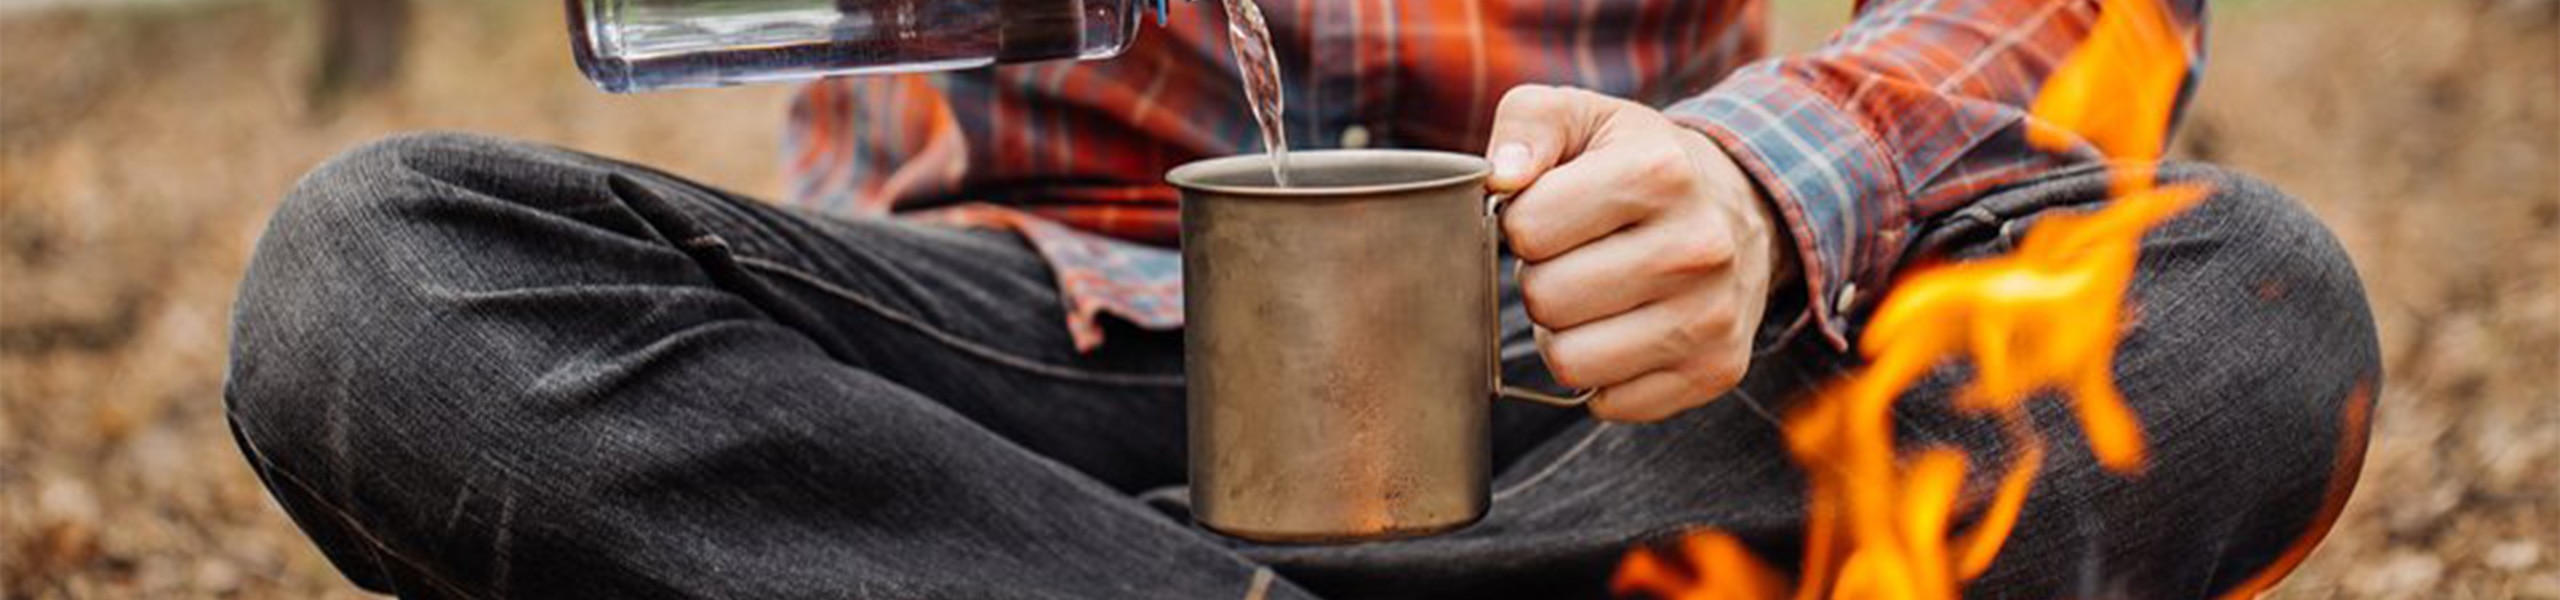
1251, 41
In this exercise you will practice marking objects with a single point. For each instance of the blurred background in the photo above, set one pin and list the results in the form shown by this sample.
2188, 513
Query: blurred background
144, 142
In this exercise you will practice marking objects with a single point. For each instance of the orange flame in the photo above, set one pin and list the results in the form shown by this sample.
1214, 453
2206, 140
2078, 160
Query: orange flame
2047, 317
2118, 90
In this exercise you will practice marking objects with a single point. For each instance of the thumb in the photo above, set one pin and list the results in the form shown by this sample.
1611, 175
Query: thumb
1535, 128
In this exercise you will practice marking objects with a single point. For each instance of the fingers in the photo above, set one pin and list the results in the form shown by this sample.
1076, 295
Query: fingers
1592, 196
1658, 394
1652, 397
1536, 127
1620, 272
1689, 330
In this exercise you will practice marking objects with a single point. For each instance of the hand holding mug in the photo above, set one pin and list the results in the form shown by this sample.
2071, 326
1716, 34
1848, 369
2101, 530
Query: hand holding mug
1650, 255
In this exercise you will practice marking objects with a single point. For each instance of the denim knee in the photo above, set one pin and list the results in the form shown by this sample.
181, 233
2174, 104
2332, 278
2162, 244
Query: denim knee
371, 186
344, 254
2282, 406
2296, 268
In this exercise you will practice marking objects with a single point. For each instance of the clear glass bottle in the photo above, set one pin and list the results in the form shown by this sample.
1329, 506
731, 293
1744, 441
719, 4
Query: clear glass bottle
641, 45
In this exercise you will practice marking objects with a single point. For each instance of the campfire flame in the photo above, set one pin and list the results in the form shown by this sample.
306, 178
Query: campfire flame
2047, 317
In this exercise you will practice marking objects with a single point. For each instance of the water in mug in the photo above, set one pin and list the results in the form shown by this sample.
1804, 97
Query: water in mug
1252, 43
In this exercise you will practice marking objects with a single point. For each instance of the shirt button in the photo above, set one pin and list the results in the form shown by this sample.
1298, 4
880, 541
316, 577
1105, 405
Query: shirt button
1355, 137
1847, 299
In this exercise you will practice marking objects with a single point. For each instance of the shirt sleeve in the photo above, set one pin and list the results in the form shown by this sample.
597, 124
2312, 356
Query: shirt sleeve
1912, 111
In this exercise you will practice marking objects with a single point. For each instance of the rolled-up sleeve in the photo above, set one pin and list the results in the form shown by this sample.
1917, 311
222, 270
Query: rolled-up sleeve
1913, 110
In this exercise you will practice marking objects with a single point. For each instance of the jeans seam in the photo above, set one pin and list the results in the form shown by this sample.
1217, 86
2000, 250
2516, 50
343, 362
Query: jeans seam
1550, 469
952, 340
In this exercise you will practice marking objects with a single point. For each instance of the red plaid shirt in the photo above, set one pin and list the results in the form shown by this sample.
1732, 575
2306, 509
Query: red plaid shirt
1912, 111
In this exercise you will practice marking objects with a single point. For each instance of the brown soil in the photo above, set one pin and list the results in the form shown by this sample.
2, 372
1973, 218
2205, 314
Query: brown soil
141, 149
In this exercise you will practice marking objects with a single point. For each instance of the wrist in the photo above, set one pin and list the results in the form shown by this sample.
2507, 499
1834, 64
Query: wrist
1762, 223
1781, 244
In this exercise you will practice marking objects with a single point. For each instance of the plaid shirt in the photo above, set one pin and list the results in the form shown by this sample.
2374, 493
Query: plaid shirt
1912, 111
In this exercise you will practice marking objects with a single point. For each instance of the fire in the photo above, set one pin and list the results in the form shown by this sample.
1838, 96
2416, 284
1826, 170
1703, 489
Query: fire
2118, 90
2047, 317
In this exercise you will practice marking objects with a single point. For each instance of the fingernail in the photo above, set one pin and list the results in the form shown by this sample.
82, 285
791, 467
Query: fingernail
1511, 161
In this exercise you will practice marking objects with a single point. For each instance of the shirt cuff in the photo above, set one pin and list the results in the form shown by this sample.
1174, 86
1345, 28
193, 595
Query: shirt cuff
1828, 177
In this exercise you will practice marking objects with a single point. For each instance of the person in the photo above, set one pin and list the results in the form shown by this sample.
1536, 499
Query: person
951, 367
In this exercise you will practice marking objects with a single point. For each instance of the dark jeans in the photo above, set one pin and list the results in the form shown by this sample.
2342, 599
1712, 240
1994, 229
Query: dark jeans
473, 368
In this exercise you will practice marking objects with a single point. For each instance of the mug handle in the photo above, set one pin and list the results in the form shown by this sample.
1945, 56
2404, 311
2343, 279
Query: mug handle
1493, 204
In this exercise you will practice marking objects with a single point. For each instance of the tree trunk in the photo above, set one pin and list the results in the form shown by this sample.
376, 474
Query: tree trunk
361, 42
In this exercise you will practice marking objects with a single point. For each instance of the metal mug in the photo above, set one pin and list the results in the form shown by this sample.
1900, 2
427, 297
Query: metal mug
1341, 343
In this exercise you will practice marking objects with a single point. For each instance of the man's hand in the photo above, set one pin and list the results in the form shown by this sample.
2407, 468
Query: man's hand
1650, 253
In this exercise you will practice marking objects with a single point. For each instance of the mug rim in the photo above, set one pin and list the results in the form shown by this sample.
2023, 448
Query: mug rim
1188, 175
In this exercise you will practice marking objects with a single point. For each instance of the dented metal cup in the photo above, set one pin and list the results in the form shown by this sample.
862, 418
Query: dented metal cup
1341, 343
